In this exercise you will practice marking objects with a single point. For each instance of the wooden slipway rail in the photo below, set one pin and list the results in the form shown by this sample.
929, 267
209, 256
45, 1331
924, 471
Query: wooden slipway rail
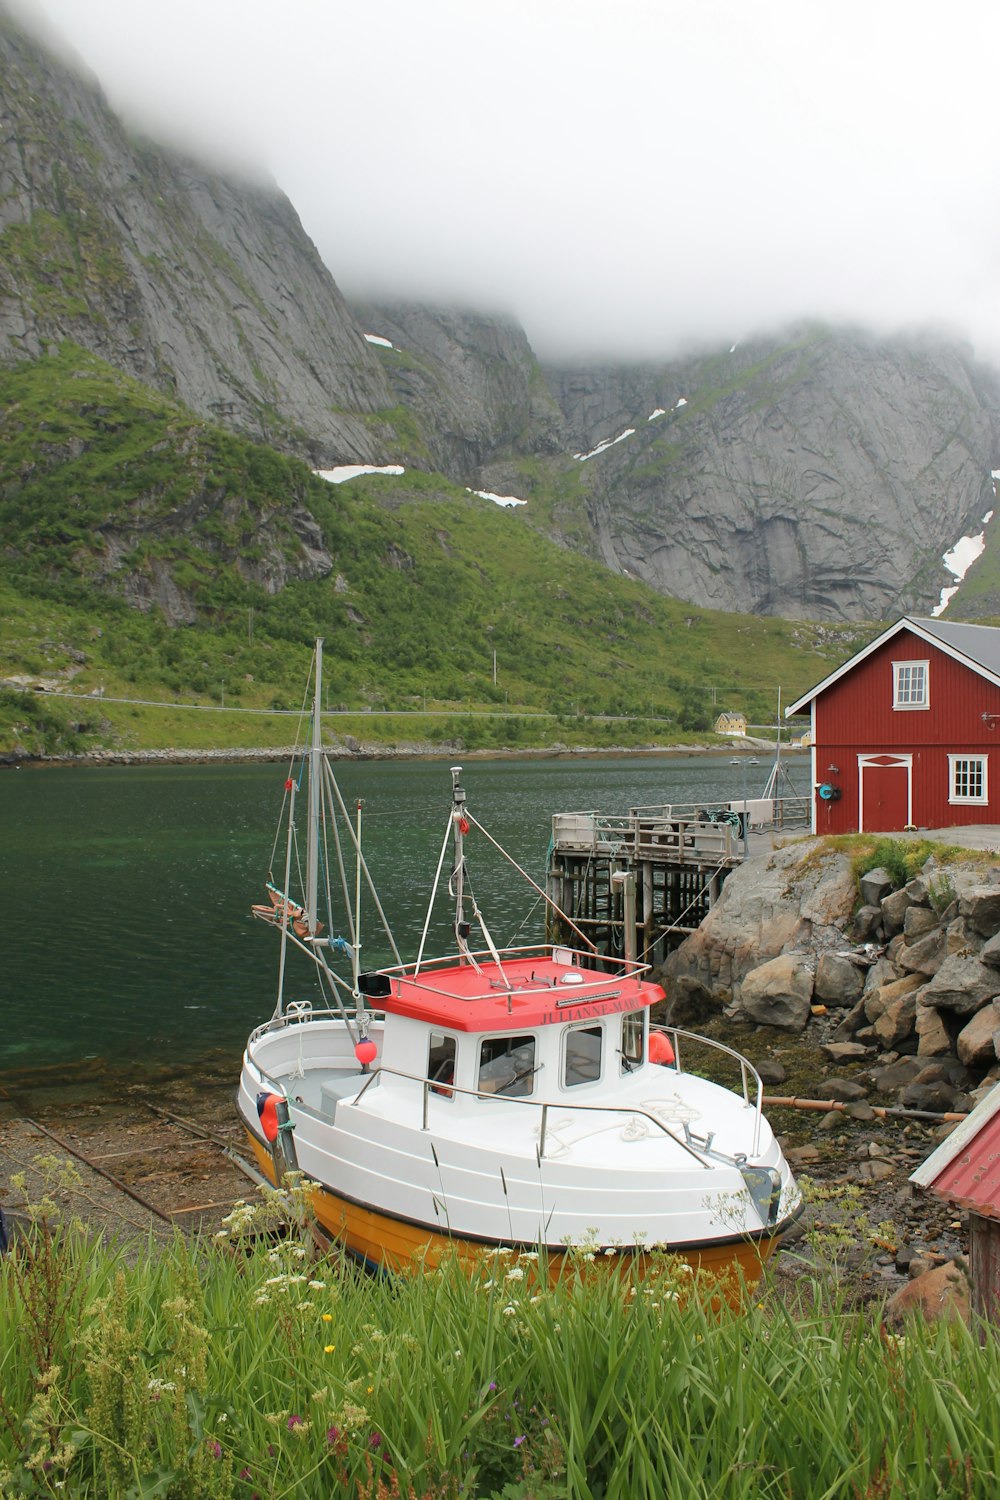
143, 1172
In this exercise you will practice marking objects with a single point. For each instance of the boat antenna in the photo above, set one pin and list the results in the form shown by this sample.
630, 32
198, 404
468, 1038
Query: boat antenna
315, 782
460, 827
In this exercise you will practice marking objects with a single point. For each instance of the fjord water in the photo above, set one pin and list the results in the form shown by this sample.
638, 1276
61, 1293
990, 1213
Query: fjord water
128, 934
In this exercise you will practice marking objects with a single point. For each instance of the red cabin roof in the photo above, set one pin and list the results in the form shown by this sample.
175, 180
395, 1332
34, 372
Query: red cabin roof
523, 992
965, 1168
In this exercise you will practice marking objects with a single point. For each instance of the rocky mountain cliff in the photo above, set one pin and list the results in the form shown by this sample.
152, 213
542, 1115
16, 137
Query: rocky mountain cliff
819, 475
205, 288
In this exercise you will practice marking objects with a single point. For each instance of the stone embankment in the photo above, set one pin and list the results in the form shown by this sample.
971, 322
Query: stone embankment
911, 975
883, 1003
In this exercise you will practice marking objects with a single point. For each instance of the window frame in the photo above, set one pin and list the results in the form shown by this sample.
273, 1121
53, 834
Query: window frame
513, 1041
585, 1026
897, 668
957, 799
626, 1062
442, 1088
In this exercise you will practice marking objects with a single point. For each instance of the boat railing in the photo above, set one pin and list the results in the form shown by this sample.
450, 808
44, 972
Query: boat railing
295, 1015
674, 1033
429, 1087
748, 1073
610, 969
750, 1081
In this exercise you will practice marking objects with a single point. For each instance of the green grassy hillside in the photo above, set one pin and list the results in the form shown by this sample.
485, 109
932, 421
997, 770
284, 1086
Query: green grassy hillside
111, 495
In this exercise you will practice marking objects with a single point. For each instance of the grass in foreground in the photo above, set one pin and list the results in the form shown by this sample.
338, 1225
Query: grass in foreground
227, 1370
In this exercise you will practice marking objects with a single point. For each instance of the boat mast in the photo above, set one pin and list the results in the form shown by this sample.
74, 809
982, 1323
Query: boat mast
461, 828
285, 915
315, 782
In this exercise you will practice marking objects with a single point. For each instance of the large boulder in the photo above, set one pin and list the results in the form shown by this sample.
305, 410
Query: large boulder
779, 993
838, 981
934, 1038
976, 1042
897, 1022
925, 955
894, 909
980, 907
875, 885
800, 896
941, 1293
962, 984
918, 922
880, 1000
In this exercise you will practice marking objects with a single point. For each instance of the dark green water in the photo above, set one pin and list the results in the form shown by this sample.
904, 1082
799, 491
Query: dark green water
128, 935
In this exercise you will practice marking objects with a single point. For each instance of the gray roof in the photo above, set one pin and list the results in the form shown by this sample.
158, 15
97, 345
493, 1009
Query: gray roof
979, 643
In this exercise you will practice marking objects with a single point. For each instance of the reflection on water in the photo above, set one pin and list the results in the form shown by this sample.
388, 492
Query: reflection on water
128, 934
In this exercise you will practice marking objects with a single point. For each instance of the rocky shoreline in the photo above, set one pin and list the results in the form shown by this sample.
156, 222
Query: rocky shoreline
885, 1012
349, 748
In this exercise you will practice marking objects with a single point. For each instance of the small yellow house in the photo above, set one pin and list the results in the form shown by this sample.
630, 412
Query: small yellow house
728, 723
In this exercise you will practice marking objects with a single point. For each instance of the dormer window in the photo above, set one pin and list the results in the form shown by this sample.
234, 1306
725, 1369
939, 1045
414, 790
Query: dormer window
910, 685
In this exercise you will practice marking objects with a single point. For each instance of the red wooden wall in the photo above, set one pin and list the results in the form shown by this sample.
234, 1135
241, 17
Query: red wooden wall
855, 717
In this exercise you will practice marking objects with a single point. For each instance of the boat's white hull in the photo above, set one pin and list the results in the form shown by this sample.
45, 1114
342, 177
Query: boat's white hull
402, 1175
382, 1241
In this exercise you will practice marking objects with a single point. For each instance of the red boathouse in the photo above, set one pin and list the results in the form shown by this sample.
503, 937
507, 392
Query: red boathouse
904, 733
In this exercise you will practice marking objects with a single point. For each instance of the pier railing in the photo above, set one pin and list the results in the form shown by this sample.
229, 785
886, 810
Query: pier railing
678, 831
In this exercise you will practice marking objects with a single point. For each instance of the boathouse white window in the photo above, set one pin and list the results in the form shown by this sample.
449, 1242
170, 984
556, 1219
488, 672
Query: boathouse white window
910, 684
507, 1065
633, 1040
582, 1046
967, 778
441, 1063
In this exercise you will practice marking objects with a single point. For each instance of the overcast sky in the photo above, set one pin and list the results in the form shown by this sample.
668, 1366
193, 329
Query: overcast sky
624, 176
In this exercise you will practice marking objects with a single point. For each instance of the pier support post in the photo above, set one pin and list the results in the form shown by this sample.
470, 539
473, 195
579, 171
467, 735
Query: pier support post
624, 883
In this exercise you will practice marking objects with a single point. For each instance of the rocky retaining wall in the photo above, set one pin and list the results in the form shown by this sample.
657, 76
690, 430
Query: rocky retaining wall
914, 972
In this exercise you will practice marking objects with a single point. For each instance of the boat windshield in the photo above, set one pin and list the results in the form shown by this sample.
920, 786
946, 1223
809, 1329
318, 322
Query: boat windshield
633, 1040
507, 1065
582, 1055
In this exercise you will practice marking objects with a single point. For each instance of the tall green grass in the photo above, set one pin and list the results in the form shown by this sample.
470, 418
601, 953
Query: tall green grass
222, 1369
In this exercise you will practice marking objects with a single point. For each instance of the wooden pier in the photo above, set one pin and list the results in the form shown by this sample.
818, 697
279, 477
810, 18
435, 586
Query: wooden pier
638, 884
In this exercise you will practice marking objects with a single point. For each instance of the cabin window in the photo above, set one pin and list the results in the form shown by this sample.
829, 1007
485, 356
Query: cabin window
441, 1064
633, 1040
967, 778
910, 687
582, 1055
507, 1065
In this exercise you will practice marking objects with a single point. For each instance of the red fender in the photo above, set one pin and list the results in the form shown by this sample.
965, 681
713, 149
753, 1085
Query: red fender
267, 1110
660, 1050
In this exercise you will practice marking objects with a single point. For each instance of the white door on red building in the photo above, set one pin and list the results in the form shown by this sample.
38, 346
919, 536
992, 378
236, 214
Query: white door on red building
885, 793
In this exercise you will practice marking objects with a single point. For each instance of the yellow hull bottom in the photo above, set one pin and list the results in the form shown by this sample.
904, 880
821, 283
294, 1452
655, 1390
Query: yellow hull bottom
384, 1243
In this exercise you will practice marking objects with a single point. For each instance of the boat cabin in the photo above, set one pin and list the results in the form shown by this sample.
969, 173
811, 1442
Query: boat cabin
533, 1024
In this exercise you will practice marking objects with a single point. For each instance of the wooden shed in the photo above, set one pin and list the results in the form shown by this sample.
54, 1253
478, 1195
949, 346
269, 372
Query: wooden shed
965, 1171
904, 732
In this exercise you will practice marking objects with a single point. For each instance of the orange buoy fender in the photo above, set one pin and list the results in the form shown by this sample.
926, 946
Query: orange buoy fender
660, 1050
267, 1110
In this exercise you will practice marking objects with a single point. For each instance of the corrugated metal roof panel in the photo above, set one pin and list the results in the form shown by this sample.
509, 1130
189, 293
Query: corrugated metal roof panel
965, 1168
